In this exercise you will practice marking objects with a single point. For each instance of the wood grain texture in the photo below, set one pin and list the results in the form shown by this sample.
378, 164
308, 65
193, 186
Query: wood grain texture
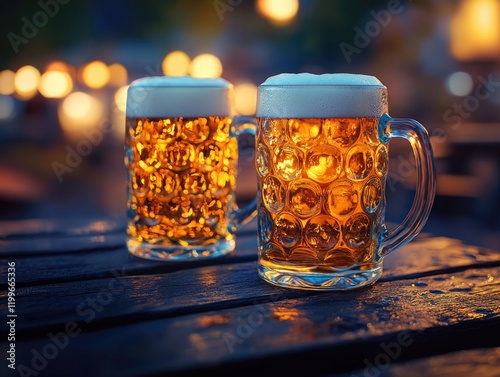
101, 263
35, 237
439, 297
60, 245
67, 227
423, 255
143, 280
333, 331
483, 362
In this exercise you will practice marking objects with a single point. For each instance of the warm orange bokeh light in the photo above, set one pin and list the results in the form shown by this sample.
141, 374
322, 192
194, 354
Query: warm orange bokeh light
175, 63
118, 75
78, 112
77, 105
95, 74
59, 66
205, 65
26, 81
245, 98
7, 82
279, 12
121, 98
55, 84
475, 30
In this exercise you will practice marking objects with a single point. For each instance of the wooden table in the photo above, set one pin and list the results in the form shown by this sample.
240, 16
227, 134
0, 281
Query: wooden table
85, 307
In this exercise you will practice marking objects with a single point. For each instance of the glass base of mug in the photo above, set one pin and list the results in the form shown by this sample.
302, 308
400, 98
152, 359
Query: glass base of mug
177, 253
340, 280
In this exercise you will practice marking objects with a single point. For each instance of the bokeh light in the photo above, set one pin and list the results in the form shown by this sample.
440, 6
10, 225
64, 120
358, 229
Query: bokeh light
59, 66
7, 107
7, 82
77, 105
475, 30
175, 63
245, 98
205, 65
459, 84
55, 84
118, 119
26, 81
95, 74
279, 12
118, 75
78, 112
121, 98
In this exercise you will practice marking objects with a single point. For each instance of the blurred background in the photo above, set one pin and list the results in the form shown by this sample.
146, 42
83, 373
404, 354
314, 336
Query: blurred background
65, 66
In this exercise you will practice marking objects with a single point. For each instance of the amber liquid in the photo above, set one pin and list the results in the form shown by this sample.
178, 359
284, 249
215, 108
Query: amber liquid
181, 180
321, 201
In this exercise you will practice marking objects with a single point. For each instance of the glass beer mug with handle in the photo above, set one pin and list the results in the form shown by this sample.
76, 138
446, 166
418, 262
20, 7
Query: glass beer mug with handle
322, 164
181, 155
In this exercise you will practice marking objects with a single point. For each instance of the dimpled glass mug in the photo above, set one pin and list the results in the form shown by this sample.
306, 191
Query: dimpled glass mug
322, 163
181, 155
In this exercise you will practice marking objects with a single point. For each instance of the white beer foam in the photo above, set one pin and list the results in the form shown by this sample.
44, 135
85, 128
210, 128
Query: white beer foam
304, 95
163, 96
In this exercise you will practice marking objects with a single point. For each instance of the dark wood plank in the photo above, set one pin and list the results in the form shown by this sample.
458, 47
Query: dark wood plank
484, 362
59, 245
330, 332
166, 293
104, 263
424, 255
431, 254
54, 227
133, 298
53, 239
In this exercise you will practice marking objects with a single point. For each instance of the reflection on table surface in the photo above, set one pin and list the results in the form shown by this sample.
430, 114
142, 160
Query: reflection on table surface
80, 293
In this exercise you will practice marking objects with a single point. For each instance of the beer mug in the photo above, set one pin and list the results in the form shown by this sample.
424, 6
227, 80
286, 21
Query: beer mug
322, 163
181, 154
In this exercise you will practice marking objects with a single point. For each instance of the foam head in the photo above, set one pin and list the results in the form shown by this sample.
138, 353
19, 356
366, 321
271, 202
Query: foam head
157, 97
305, 95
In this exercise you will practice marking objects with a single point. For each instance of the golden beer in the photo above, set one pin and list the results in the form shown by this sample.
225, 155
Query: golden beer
183, 175
181, 156
322, 164
322, 182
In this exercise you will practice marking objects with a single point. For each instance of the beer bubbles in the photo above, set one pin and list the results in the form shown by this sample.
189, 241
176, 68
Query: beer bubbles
321, 169
181, 162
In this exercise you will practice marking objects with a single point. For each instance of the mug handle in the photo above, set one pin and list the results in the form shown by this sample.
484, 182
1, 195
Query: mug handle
416, 218
241, 216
